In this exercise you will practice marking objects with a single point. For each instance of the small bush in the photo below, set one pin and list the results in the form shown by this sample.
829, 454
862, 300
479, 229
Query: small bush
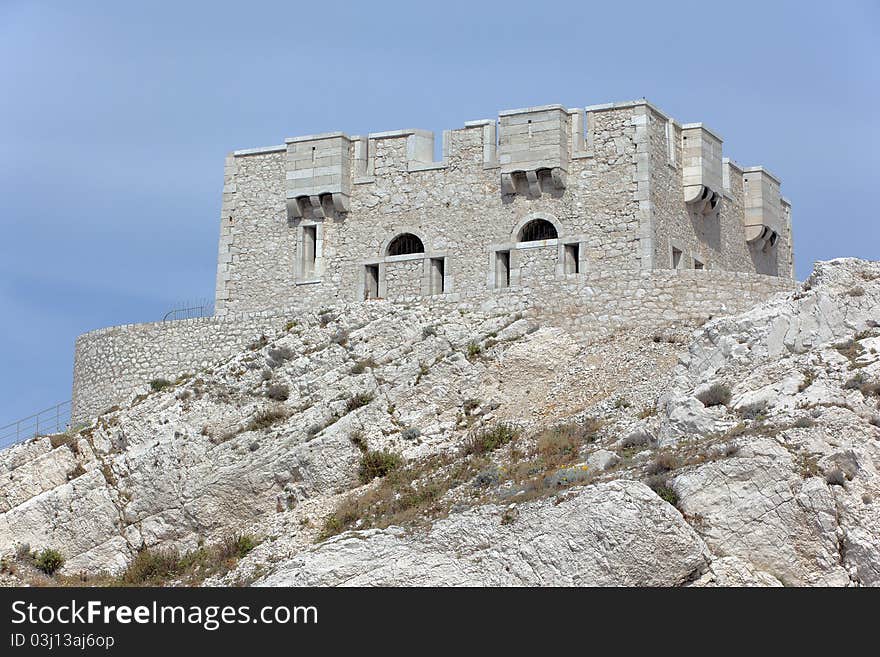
281, 354
49, 561
835, 477
278, 392
484, 441
638, 438
152, 567
857, 291
289, 325
717, 394
804, 422
428, 332
754, 411
360, 366
266, 418
375, 463
621, 402
410, 433
470, 405
660, 485
356, 401
157, 385
561, 445
357, 439
473, 350
663, 462
59, 439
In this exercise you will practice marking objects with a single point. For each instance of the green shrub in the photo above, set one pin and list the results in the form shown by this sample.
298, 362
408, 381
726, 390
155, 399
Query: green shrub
157, 385
152, 567
473, 350
49, 561
660, 485
484, 441
375, 463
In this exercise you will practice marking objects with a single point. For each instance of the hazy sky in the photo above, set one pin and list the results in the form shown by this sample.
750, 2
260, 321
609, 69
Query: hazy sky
115, 118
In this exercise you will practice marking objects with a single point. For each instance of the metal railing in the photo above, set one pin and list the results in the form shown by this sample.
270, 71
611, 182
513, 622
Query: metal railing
51, 420
190, 310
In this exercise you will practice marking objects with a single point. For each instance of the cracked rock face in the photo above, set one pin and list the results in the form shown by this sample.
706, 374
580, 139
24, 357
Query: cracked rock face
761, 432
619, 533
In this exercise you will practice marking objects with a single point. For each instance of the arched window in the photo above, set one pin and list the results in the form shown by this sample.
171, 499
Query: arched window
537, 230
404, 244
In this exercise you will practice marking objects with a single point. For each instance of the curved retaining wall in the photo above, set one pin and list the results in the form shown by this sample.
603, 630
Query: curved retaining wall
111, 363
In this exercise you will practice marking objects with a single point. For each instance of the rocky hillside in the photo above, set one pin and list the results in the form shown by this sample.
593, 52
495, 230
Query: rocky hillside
387, 444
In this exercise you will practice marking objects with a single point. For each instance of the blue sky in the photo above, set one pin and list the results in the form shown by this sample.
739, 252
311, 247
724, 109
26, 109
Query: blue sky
115, 118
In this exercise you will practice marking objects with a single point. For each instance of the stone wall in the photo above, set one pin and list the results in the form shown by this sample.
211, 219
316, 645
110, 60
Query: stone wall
621, 199
112, 364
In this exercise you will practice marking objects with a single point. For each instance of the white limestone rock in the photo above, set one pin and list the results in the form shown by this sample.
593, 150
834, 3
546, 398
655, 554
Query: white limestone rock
618, 533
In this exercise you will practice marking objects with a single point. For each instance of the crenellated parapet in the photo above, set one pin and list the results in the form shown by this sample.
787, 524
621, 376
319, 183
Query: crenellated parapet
615, 186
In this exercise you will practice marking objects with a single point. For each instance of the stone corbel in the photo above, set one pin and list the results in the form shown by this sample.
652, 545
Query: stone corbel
761, 237
558, 177
508, 186
702, 200
318, 206
532, 181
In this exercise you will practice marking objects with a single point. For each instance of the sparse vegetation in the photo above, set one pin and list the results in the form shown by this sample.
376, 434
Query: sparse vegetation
410, 433
358, 440
357, 401
428, 332
473, 350
717, 394
486, 440
360, 366
665, 461
266, 418
158, 385
157, 567
278, 392
280, 354
835, 477
648, 411
660, 485
48, 561
376, 463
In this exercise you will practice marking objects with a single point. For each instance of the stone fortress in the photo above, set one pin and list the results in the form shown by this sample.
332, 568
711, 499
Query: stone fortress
611, 215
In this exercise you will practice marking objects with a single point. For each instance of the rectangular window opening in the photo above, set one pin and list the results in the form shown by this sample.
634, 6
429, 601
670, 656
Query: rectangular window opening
371, 282
309, 253
502, 269
438, 275
572, 259
676, 258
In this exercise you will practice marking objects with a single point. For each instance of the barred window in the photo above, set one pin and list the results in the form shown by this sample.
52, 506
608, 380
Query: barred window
404, 244
537, 230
